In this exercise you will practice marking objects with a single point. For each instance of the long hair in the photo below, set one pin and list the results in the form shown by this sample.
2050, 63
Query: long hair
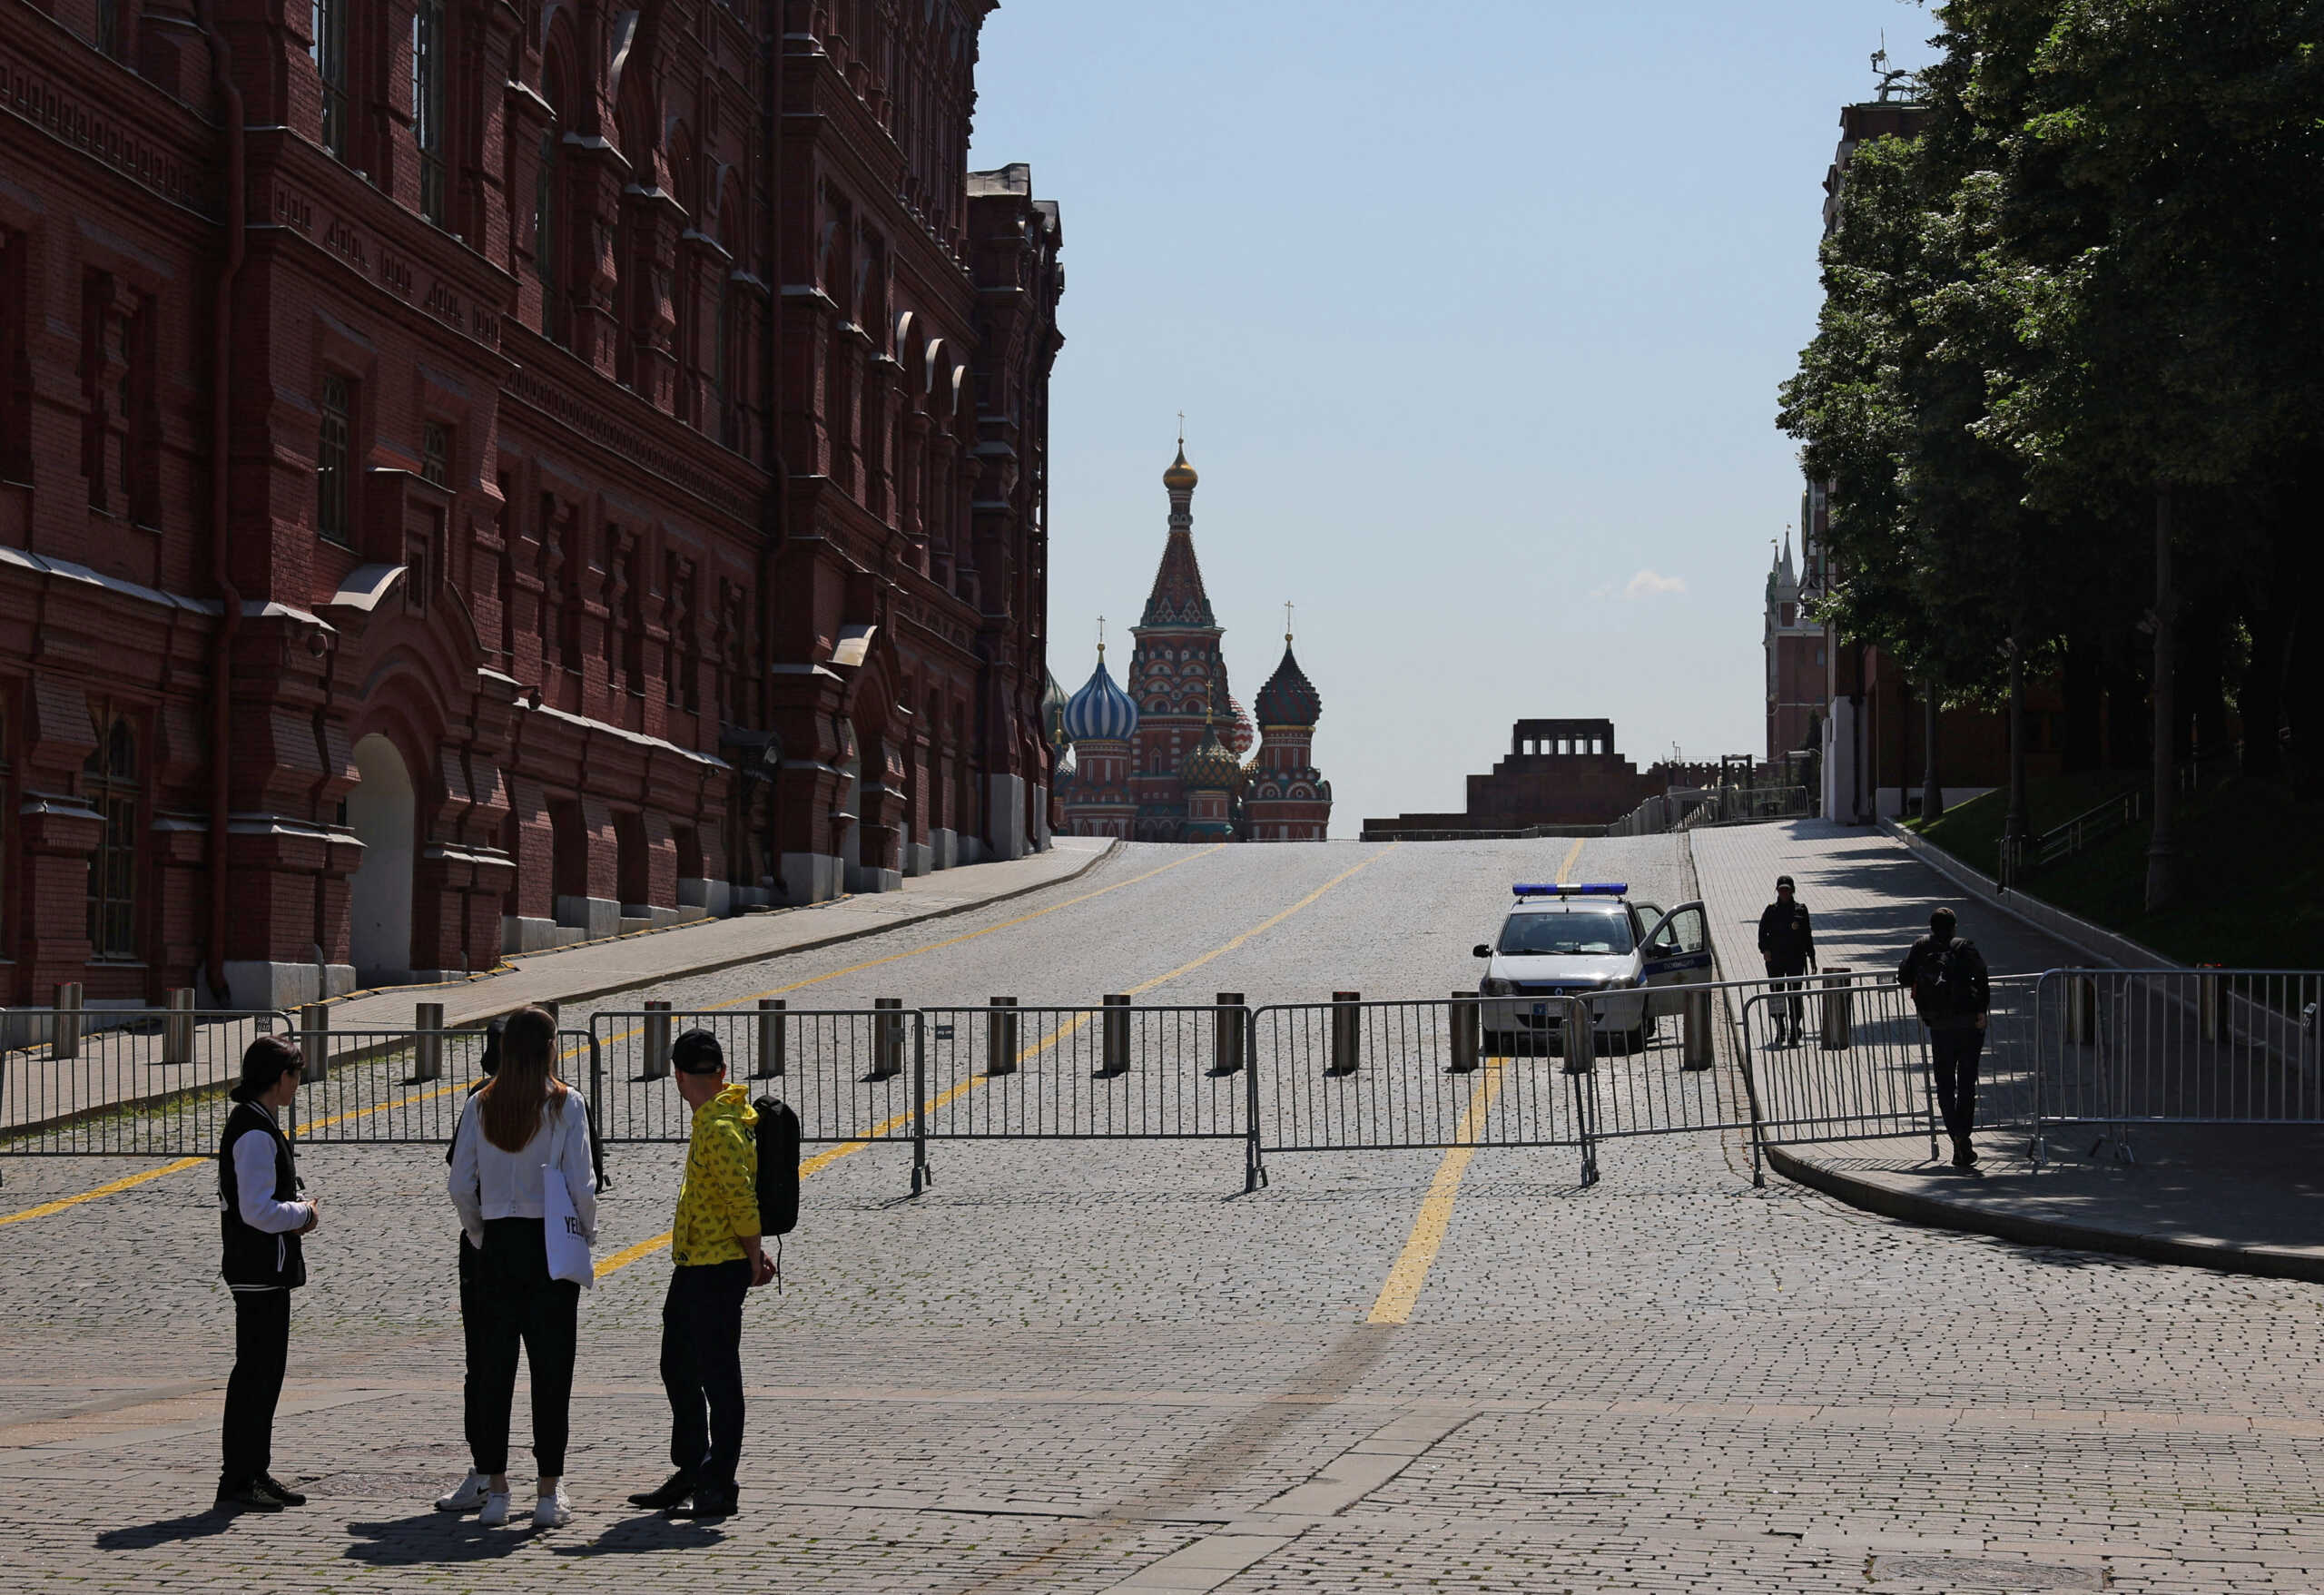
264, 1061
512, 1103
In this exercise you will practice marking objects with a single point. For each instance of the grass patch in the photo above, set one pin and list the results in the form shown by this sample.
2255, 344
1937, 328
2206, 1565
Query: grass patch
2251, 863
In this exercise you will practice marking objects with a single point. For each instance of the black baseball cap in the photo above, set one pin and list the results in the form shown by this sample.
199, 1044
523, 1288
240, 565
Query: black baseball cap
698, 1052
1782, 881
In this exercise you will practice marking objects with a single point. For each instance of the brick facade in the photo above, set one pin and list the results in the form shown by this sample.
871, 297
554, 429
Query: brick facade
478, 478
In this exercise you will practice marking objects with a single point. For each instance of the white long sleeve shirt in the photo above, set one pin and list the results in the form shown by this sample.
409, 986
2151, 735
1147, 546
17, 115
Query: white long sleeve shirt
254, 1185
487, 1182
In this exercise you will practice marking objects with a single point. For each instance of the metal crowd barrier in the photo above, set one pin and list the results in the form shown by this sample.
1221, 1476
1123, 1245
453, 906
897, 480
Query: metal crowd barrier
2103, 1048
150, 1083
1349, 1075
2123, 1047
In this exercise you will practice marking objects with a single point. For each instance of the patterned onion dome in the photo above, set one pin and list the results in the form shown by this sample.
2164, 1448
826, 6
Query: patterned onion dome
1180, 474
1240, 735
1210, 767
1289, 698
1100, 710
1053, 712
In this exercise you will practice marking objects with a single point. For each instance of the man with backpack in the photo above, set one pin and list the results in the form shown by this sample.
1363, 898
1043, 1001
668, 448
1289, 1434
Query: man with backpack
1953, 994
717, 1257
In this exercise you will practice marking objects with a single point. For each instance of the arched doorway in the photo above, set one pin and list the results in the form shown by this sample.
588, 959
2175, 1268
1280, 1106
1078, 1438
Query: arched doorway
381, 812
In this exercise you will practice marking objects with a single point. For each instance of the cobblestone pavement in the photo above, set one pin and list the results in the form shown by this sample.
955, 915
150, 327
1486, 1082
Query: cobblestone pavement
1100, 1367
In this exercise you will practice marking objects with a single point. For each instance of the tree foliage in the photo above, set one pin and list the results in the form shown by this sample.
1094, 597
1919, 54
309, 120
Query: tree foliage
2098, 267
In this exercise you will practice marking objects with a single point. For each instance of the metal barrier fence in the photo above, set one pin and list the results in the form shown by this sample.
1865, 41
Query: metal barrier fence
850, 1074
2124, 1048
1350, 1075
152, 1082
2109, 1049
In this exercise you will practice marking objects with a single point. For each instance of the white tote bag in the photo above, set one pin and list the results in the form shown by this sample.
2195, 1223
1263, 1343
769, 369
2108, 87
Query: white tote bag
568, 1244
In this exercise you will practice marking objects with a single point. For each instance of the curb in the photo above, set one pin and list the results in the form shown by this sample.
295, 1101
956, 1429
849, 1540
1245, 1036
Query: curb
715, 965
1934, 1214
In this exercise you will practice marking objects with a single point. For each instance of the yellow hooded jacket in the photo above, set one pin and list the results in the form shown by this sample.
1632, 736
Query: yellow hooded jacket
718, 1204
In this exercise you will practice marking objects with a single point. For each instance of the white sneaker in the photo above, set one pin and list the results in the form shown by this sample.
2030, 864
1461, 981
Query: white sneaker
553, 1511
496, 1509
467, 1497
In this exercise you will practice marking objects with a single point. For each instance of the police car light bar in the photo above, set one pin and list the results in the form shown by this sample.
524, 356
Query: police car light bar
1572, 889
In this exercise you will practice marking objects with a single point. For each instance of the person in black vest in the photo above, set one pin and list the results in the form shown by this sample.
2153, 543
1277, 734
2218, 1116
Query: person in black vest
263, 1219
1953, 996
1788, 943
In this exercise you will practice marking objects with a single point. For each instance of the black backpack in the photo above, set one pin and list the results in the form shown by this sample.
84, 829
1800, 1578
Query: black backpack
778, 1137
1952, 981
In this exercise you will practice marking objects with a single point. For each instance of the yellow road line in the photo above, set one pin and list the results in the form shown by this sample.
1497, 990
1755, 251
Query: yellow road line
831, 1155
127, 1183
1406, 1281
1400, 1291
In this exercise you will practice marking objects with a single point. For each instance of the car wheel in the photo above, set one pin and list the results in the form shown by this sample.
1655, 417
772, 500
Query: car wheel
1495, 1043
1634, 1040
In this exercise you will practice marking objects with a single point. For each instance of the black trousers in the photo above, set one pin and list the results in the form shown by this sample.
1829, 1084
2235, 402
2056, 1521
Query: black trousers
472, 1310
262, 1353
1953, 1059
701, 1368
520, 1304
1791, 1006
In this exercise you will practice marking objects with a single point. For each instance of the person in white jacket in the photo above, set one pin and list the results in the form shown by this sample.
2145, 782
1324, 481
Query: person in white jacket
523, 1129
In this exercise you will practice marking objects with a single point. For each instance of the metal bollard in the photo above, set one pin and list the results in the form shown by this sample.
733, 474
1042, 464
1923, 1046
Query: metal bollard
1229, 1033
64, 1039
1695, 1041
887, 1038
1347, 1031
1839, 1013
314, 1042
2082, 1010
772, 1039
1114, 1038
2208, 1007
1463, 1017
177, 1029
1000, 1030
657, 1040
426, 1042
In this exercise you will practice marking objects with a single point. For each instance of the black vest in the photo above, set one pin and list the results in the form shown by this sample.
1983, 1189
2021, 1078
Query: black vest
252, 1256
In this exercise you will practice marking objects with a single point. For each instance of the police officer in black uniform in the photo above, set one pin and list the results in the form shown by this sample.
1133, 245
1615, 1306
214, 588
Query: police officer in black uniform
1788, 945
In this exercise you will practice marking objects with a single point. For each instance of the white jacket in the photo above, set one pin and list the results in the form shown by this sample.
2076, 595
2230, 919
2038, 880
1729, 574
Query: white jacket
488, 1183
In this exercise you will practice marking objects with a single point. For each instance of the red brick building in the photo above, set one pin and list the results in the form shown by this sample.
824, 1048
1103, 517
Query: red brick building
1557, 773
483, 477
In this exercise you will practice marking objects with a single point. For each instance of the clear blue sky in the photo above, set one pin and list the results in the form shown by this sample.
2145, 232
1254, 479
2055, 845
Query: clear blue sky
1476, 313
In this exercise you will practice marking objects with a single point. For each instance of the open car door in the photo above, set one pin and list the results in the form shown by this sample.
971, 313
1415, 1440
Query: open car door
1676, 953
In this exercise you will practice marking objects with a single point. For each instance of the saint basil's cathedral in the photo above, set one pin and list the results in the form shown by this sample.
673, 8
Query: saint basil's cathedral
1163, 761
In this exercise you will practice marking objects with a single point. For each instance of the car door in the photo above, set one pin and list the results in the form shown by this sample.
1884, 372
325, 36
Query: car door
1676, 953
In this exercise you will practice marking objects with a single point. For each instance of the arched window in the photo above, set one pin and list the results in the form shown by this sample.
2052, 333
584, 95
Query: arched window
109, 781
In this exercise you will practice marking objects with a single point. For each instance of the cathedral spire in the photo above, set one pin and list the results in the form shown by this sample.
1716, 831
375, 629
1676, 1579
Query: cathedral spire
1177, 599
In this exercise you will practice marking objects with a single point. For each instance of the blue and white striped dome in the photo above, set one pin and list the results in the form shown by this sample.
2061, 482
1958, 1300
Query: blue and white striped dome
1100, 710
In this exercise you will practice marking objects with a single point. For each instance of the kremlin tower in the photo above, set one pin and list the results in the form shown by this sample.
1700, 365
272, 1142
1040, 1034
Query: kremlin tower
1162, 761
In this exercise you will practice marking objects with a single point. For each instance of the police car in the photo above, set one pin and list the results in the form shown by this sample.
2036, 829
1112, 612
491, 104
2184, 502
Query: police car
1587, 939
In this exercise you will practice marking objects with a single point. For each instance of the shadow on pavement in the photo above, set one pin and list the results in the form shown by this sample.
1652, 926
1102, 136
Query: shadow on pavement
646, 1533
201, 1525
432, 1537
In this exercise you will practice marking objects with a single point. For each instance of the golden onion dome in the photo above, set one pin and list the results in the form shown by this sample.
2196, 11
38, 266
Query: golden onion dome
1180, 474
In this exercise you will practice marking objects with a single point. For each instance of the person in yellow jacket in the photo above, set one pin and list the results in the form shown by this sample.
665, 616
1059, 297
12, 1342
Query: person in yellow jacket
716, 1261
